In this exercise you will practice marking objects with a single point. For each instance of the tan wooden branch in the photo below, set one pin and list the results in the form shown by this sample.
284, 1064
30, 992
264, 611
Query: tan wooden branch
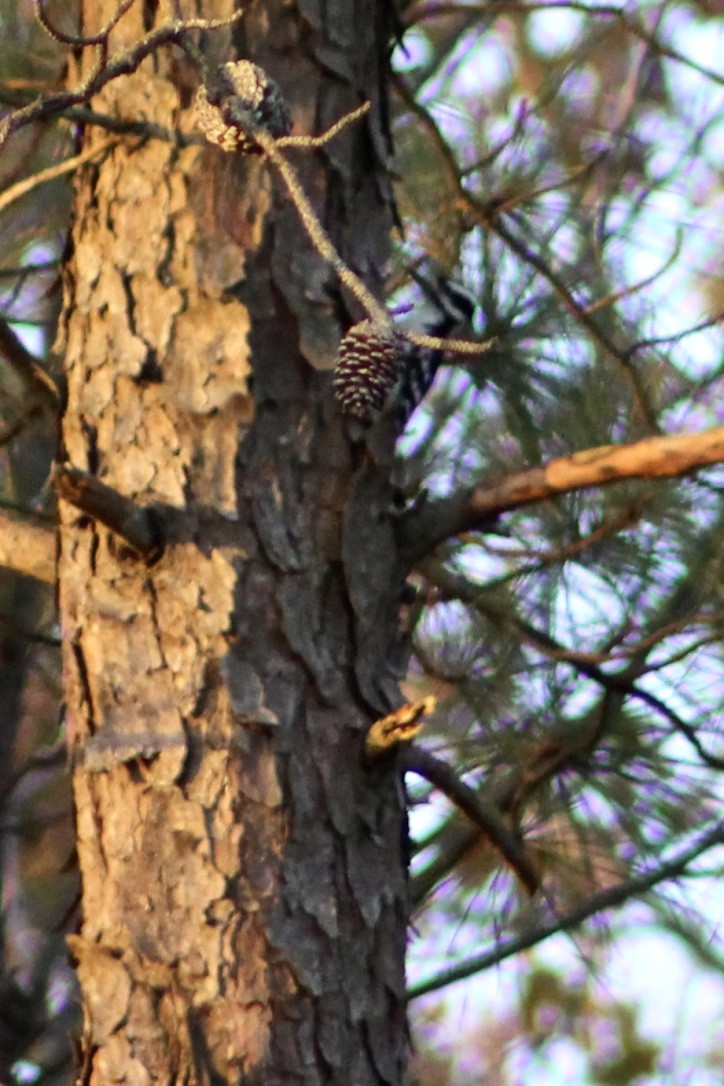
20, 188
27, 548
653, 458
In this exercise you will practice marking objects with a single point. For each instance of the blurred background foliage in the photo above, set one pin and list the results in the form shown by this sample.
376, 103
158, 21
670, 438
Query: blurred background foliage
38, 1012
563, 162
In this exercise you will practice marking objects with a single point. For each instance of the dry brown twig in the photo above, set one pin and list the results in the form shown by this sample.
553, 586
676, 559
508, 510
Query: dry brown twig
106, 70
233, 123
42, 177
79, 40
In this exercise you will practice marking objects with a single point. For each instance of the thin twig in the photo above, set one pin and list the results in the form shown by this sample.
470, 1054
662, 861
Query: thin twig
610, 898
123, 64
21, 188
486, 816
316, 232
41, 386
325, 137
79, 40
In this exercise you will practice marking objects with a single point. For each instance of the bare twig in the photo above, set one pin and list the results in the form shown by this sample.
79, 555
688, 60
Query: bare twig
610, 898
123, 64
452, 345
322, 243
24, 271
542, 558
325, 137
486, 816
316, 232
40, 385
78, 40
21, 188
677, 337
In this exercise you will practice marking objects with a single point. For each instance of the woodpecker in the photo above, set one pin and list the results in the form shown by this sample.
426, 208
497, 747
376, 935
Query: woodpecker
456, 308
377, 362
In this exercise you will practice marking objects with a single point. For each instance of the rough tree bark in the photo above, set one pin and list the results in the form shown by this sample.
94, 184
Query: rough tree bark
243, 869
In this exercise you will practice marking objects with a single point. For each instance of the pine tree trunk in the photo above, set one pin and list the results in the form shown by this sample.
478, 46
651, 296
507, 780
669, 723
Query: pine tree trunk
243, 869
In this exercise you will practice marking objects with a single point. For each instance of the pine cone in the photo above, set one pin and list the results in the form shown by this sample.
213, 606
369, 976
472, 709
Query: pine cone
368, 368
239, 98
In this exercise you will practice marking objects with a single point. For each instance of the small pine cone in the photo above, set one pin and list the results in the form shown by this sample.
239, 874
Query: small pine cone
368, 368
241, 97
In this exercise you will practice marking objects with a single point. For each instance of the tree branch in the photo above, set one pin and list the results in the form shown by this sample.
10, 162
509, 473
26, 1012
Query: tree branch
489, 215
486, 816
20, 188
123, 64
25, 366
617, 682
606, 899
509, 793
126, 518
430, 523
78, 40
601, 11
28, 549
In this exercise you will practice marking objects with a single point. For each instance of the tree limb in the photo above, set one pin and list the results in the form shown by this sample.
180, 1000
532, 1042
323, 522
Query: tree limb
25, 366
126, 518
601, 11
606, 899
430, 523
486, 816
488, 213
123, 64
79, 40
28, 549
620, 682
20, 188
